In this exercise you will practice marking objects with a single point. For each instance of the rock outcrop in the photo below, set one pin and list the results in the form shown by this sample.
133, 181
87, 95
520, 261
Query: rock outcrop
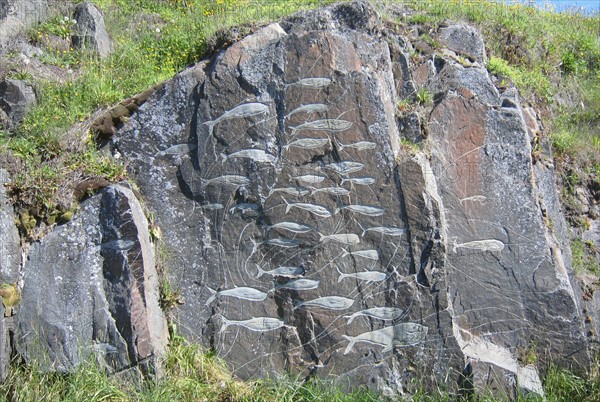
89, 30
10, 263
305, 238
16, 98
16, 15
91, 290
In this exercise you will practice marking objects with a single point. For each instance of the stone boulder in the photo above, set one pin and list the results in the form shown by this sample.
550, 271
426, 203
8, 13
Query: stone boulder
304, 239
466, 41
91, 291
16, 99
89, 30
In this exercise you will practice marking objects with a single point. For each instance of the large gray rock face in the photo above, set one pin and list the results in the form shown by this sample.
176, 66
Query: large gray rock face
16, 15
90, 31
91, 290
10, 251
303, 240
10, 263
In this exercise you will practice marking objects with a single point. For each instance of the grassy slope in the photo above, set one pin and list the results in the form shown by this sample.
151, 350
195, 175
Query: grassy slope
554, 60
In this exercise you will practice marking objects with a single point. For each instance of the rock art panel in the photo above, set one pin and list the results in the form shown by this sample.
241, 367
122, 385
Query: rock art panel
302, 242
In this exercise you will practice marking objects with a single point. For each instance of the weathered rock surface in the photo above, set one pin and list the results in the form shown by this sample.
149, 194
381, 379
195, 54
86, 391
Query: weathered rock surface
91, 290
16, 15
302, 239
10, 251
16, 98
464, 40
90, 31
10, 262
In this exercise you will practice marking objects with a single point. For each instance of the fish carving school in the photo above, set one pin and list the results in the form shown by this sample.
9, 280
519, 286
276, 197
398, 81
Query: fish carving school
314, 207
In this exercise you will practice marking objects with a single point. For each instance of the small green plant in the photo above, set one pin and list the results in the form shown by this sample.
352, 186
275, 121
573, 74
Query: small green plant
430, 41
499, 67
421, 19
58, 25
404, 106
528, 355
584, 261
409, 147
20, 75
424, 97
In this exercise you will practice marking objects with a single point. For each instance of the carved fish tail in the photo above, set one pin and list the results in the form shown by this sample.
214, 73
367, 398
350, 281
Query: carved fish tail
226, 323
212, 297
211, 125
261, 271
352, 341
288, 205
342, 276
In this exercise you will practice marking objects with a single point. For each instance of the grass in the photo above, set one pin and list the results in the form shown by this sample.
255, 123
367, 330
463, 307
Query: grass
583, 260
191, 374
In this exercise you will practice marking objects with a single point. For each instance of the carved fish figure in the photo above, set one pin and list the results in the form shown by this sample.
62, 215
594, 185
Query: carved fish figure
380, 313
245, 207
315, 83
180, 149
363, 181
286, 272
244, 110
307, 143
282, 242
312, 108
368, 276
481, 245
328, 302
475, 198
299, 284
309, 178
344, 238
331, 190
212, 206
369, 254
345, 167
278, 242
404, 334
238, 293
258, 324
120, 245
257, 155
361, 145
334, 125
317, 210
363, 210
386, 230
291, 226
297, 191
228, 179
